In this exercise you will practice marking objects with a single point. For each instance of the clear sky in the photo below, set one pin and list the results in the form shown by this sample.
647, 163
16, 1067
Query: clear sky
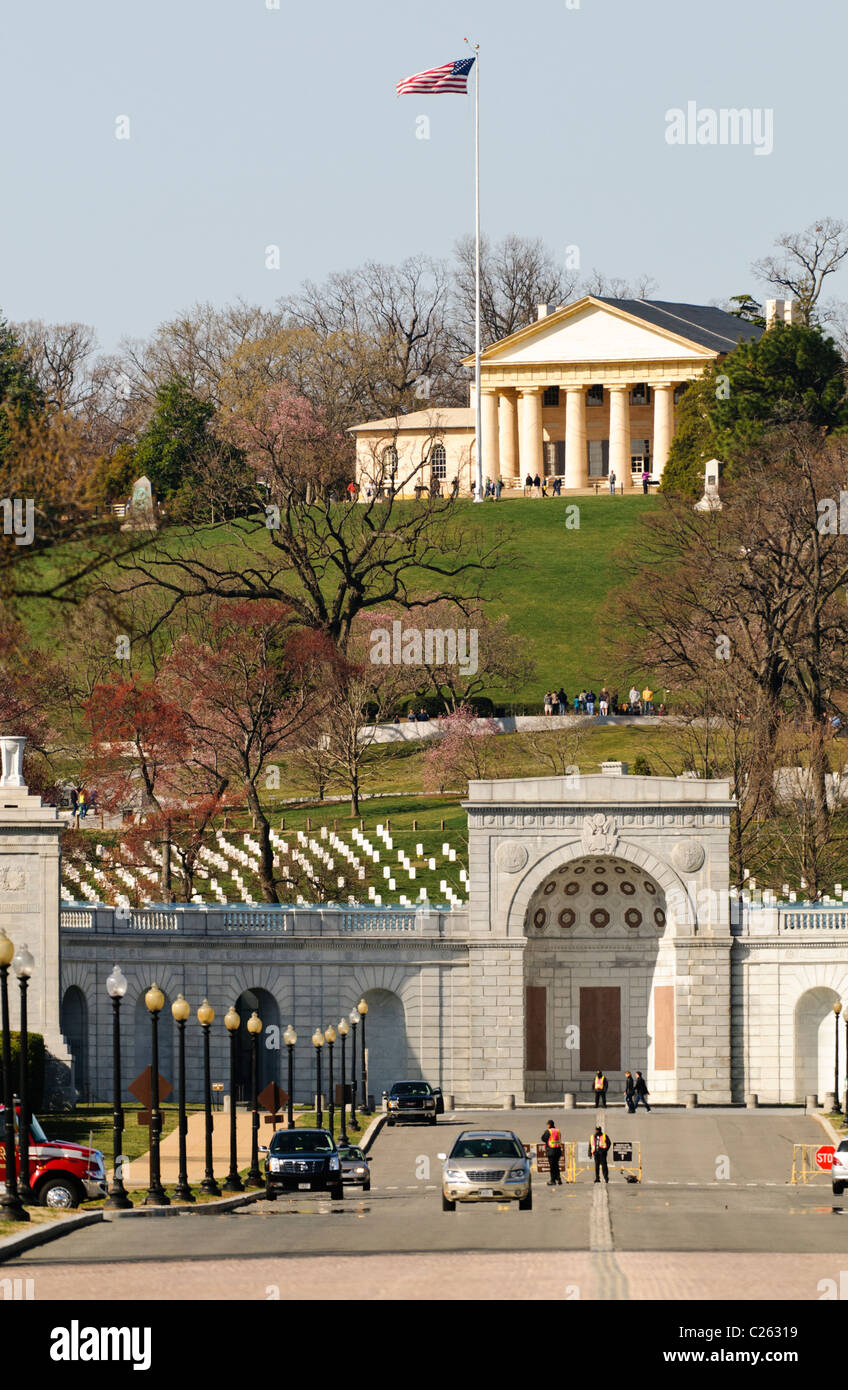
252, 126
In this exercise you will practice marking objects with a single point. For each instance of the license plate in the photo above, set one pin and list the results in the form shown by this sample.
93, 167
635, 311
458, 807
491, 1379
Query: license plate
304, 1186
486, 1192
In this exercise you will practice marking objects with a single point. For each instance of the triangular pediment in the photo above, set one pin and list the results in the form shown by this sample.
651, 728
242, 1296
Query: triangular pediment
592, 331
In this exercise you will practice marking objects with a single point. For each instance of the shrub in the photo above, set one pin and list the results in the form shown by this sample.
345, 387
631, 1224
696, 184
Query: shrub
35, 1055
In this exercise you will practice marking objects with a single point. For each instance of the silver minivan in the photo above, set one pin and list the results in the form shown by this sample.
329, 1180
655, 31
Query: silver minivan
486, 1165
839, 1171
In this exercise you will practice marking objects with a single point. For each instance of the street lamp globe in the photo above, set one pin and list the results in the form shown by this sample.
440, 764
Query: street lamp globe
362, 1007
231, 1019
290, 1037
205, 1014
117, 985
180, 1009
330, 1034
318, 1038
344, 1027
7, 949
23, 963
354, 1017
154, 999
837, 1008
254, 1023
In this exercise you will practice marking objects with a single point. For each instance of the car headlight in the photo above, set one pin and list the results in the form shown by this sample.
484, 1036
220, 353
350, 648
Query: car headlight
363, 1171
518, 1172
454, 1173
392, 1104
274, 1165
334, 1163
429, 1103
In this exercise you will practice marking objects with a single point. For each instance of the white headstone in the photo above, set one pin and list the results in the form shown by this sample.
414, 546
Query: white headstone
710, 502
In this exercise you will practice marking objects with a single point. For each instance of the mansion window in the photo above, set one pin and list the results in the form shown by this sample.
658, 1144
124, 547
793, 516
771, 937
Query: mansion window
595, 395
555, 458
439, 462
641, 394
390, 462
598, 458
640, 455
551, 396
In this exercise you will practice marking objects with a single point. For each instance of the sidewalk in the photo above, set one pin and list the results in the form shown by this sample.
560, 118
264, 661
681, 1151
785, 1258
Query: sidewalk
136, 1173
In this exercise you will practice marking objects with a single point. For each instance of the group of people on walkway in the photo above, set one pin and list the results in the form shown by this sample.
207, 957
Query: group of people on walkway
635, 1091
588, 702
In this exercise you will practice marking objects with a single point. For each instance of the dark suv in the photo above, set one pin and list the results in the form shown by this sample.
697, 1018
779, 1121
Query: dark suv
412, 1100
301, 1160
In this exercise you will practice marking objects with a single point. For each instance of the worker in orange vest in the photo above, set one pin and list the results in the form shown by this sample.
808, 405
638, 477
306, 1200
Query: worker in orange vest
600, 1089
552, 1140
599, 1146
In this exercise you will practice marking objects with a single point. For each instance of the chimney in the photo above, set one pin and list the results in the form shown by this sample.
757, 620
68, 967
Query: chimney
774, 312
542, 310
791, 311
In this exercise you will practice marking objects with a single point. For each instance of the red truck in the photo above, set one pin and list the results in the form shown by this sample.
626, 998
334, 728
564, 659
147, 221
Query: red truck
61, 1173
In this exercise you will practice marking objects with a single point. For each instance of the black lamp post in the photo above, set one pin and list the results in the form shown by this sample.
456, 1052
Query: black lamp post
254, 1028
330, 1038
343, 1030
233, 1181
318, 1043
11, 1206
290, 1038
354, 1023
362, 1009
205, 1017
837, 1010
116, 988
23, 964
181, 1012
156, 1195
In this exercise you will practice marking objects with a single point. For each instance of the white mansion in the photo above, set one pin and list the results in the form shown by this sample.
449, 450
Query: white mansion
587, 390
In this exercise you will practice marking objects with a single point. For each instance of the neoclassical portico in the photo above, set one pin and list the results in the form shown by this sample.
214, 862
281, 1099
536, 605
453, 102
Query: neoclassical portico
585, 391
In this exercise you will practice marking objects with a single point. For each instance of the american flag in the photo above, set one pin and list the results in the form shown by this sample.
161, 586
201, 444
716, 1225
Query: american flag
452, 77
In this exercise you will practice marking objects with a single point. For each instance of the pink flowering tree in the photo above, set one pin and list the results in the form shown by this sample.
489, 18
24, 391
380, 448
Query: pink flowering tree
464, 752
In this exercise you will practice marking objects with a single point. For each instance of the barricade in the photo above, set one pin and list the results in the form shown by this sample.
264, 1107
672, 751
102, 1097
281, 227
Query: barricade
804, 1166
624, 1154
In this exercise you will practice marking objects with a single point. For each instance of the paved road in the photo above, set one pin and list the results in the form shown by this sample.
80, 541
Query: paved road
713, 1217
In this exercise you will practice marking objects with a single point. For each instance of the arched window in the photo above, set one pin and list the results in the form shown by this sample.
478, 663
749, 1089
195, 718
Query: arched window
75, 1030
263, 1003
390, 463
439, 462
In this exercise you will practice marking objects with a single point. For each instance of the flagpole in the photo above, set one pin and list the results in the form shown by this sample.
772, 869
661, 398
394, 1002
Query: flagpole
478, 395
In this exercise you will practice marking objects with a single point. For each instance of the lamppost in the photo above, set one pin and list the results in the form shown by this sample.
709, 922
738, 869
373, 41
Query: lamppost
181, 1012
22, 965
318, 1043
330, 1038
837, 1010
362, 1009
343, 1030
156, 1195
11, 1206
354, 1023
232, 1022
116, 988
254, 1028
290, 1038
205, 1017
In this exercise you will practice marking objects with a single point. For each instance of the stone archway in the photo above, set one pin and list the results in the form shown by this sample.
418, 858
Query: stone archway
386, 1041
262, 1002
74, 1016
814, 1043
594, 993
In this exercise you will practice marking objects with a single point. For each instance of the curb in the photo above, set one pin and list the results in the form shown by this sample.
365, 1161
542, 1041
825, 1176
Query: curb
836, 1139
371, 1132
49, 1230
190, 1209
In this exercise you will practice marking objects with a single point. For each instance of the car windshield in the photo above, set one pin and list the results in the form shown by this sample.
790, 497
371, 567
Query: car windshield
502, 1147
305, 1141
36, 1132
411, 1088
354, 1154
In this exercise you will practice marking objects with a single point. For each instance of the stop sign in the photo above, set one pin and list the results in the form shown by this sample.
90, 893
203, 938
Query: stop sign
824, 1157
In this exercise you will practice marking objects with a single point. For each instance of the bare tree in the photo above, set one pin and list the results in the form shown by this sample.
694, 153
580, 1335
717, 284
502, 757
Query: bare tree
615, 287
804, 262
516, 275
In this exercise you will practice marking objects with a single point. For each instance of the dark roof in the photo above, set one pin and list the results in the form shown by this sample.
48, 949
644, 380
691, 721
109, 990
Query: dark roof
700, 323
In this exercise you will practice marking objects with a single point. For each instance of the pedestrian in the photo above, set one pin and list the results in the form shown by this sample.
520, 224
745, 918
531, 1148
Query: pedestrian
599, 1146
600, 1089
563, 701
640, 1086
629, 1097
75, 807
83, 804
604, 701
498, 488
528, 482
549, 704
537, 484
557, 486
646, 478
634, 701
552, 1140
647, 700
454, 488
612, 484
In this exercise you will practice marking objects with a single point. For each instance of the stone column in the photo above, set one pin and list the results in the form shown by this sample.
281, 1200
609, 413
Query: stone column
619, 438
663, 427
489, 445
508, 420
531, 460
576, 456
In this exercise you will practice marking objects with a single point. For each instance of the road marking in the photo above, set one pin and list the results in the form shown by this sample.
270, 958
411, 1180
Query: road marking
393, 1189
600, 1227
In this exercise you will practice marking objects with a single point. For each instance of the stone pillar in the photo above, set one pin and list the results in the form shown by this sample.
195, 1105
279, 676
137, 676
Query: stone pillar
663, 427
489, 446
702, 1022
531, 460
619, 438
576, 456
30, 858
508, 419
